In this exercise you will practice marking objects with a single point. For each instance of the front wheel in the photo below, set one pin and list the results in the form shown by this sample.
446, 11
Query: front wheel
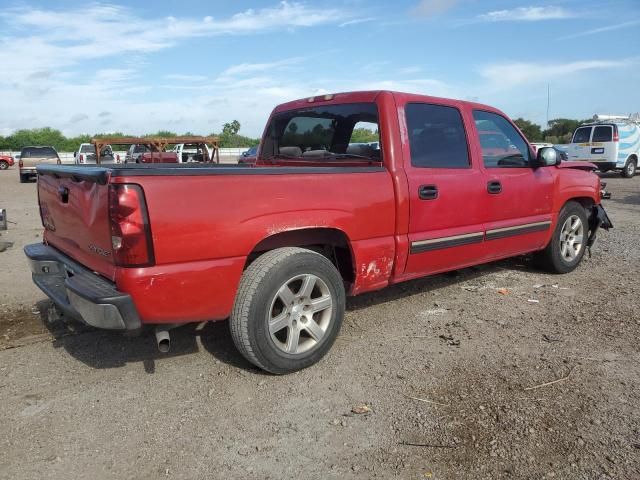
568, 242
629, 169
288, 310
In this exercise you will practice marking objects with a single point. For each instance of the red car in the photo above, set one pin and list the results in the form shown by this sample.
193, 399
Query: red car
277, 247
6, 161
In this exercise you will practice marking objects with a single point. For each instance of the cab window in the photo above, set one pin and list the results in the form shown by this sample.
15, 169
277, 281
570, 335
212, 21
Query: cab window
502, 145
436, 136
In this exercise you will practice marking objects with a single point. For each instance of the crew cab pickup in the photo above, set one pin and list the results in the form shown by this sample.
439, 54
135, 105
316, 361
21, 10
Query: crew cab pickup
276, 246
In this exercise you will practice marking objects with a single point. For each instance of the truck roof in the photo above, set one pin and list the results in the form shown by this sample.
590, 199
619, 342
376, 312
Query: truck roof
366, 96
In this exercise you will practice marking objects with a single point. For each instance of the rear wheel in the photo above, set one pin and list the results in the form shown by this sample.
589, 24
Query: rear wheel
288, 310
568, 242
629, 169
24, 178
3, 165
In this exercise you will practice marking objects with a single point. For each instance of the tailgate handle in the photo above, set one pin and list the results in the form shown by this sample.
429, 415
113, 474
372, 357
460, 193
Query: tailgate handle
494, 187
63, 193
428, 192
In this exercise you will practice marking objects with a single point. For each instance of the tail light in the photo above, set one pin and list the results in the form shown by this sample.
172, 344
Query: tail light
20, 163
81, 158
117, 158
616, 137
131, 241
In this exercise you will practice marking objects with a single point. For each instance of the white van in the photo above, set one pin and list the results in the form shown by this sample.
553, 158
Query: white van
611, 142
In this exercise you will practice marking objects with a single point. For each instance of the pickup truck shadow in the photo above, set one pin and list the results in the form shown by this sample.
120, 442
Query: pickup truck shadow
101, 349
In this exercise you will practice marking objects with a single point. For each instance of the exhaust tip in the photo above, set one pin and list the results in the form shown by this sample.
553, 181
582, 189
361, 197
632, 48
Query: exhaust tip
163, 340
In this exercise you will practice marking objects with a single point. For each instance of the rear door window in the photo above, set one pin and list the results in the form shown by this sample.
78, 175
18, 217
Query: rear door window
436, 136
602, 134
582, 135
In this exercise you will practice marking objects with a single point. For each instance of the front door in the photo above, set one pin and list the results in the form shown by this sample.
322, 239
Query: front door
518, 198
446, 191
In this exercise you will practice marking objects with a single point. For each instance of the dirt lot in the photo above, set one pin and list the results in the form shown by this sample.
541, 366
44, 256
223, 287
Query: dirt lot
454, 374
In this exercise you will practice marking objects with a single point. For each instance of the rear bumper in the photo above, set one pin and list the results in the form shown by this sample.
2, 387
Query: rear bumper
80, 293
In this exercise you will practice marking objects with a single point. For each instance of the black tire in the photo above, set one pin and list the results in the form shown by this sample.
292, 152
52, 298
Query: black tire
629, 169
258, 296
24, 178
551, 258
3, 165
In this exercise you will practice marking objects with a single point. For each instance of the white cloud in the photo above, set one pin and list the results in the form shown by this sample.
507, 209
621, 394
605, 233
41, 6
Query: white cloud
246, 68
52, 55
607, 28
526, 14
357, 21
506, 75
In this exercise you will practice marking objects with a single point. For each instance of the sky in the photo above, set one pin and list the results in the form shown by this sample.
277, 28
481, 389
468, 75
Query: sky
143, 66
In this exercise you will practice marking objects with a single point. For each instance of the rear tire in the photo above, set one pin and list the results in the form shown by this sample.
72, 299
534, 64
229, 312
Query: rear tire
24, 178
629, 169
288, 310
568, 242
3, 165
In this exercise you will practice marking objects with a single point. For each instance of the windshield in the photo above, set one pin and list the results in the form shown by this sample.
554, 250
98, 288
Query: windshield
39, 152
325, 133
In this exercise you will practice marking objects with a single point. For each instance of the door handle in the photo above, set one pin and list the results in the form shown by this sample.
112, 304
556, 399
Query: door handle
494, 187
428, 192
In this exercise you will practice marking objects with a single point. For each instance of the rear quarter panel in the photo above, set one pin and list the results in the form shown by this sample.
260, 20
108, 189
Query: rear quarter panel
204, 227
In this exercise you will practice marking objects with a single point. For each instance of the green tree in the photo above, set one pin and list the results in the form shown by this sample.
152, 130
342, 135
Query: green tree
561, 129
363, 135
231, 128
531, 130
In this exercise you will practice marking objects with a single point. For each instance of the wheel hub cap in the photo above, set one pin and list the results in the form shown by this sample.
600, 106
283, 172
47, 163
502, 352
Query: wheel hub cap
571, 238
300, 314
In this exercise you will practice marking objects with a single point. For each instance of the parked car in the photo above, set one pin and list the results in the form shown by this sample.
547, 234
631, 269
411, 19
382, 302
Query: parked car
32, 156
135, 152
6, 161
611, 142
193, 152
86, 154
276, 248
158, 157
249, 156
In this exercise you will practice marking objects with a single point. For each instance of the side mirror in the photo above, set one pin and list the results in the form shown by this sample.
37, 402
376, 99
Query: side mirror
547, 157
75, 154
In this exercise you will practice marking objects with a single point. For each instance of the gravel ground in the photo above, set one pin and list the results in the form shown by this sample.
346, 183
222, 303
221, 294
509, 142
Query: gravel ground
441, 378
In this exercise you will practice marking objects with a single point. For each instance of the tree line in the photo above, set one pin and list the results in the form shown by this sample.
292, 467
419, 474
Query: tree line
559, 130
228, 138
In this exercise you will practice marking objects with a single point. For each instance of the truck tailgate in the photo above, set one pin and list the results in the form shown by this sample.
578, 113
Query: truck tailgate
75, 214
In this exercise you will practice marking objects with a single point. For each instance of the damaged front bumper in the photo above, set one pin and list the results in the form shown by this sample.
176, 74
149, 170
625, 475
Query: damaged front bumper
597, 220
80, 293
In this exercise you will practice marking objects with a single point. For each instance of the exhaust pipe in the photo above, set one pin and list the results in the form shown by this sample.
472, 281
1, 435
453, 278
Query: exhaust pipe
163, 339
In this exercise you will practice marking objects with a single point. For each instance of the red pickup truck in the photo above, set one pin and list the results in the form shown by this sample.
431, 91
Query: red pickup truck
276, 246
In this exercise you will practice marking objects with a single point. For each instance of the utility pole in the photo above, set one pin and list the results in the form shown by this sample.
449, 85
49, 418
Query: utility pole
548, 102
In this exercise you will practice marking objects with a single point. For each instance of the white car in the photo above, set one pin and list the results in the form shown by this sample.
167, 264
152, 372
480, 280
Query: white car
86, 154
611, 142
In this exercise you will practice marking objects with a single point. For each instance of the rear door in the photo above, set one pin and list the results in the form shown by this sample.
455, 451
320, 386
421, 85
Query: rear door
517, 197
581, 144
446, 191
